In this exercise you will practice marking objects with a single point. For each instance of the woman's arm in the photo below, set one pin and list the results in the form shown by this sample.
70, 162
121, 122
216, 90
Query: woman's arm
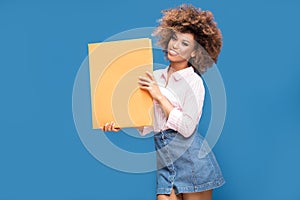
165, 104
148, 83
184, 119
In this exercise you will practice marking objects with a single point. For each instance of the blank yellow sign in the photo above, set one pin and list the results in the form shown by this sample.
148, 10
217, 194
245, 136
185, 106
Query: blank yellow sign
115, 93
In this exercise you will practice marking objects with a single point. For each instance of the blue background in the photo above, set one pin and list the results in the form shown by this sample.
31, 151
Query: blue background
42, 46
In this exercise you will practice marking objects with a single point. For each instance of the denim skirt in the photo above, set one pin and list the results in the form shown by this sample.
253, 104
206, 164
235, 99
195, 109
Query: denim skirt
185, 164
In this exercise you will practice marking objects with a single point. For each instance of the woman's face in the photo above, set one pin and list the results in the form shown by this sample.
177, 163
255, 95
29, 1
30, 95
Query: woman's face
181, 47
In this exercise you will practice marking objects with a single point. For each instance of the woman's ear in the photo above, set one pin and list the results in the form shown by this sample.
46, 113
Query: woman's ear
193, 54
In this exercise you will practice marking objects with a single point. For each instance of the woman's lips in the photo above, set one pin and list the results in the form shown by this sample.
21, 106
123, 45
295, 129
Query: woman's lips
173, 53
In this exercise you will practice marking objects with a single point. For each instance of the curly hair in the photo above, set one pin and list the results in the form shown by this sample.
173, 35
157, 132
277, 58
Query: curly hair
189, 19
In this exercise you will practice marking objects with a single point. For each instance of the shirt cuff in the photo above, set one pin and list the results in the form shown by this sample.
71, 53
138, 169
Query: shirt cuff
146, 130
174, 119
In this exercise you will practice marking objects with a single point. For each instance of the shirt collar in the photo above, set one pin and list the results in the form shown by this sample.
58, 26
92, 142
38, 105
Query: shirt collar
183, 73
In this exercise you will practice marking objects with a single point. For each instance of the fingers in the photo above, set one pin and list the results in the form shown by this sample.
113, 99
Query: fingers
110, 126
146, 81
107, 126
145, 88
116, 129
150, 76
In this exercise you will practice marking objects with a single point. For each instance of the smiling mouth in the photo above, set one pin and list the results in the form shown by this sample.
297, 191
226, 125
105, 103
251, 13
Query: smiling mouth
173, 53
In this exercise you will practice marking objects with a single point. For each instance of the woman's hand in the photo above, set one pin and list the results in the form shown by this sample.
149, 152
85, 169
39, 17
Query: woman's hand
140, 128
148, 83
110, 126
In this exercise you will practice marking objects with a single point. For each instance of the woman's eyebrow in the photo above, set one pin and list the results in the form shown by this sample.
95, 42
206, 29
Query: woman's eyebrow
185, 40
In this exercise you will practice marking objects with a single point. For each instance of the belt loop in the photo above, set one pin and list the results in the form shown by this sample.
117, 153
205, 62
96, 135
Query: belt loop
162, 135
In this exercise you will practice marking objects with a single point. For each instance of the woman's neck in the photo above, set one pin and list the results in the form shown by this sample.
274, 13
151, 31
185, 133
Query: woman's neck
178, 66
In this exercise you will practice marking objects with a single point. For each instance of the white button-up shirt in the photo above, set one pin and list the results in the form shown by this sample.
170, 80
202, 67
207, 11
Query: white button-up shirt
185, 91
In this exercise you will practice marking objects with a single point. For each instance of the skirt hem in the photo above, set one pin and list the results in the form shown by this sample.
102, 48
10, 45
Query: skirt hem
193, 188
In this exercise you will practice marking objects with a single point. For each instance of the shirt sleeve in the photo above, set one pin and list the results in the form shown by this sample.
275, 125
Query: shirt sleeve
146, 130
184, 119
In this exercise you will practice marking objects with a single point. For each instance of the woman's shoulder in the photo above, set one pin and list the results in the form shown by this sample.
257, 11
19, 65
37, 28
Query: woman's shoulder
196, 79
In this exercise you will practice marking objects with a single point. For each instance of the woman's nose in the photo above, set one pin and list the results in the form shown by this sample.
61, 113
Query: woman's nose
175, 45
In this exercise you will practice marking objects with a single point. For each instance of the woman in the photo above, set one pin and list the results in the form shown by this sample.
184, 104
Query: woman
186, 167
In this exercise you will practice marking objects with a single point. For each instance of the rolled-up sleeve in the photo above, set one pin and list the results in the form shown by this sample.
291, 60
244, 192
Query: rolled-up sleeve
184, 119
146, 130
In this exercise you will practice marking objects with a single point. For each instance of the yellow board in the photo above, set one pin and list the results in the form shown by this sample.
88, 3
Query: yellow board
115, 93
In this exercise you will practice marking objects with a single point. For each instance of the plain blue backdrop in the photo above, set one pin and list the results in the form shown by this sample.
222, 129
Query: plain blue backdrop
42, 46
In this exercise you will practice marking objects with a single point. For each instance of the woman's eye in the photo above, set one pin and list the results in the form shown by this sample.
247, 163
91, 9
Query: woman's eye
185, 44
